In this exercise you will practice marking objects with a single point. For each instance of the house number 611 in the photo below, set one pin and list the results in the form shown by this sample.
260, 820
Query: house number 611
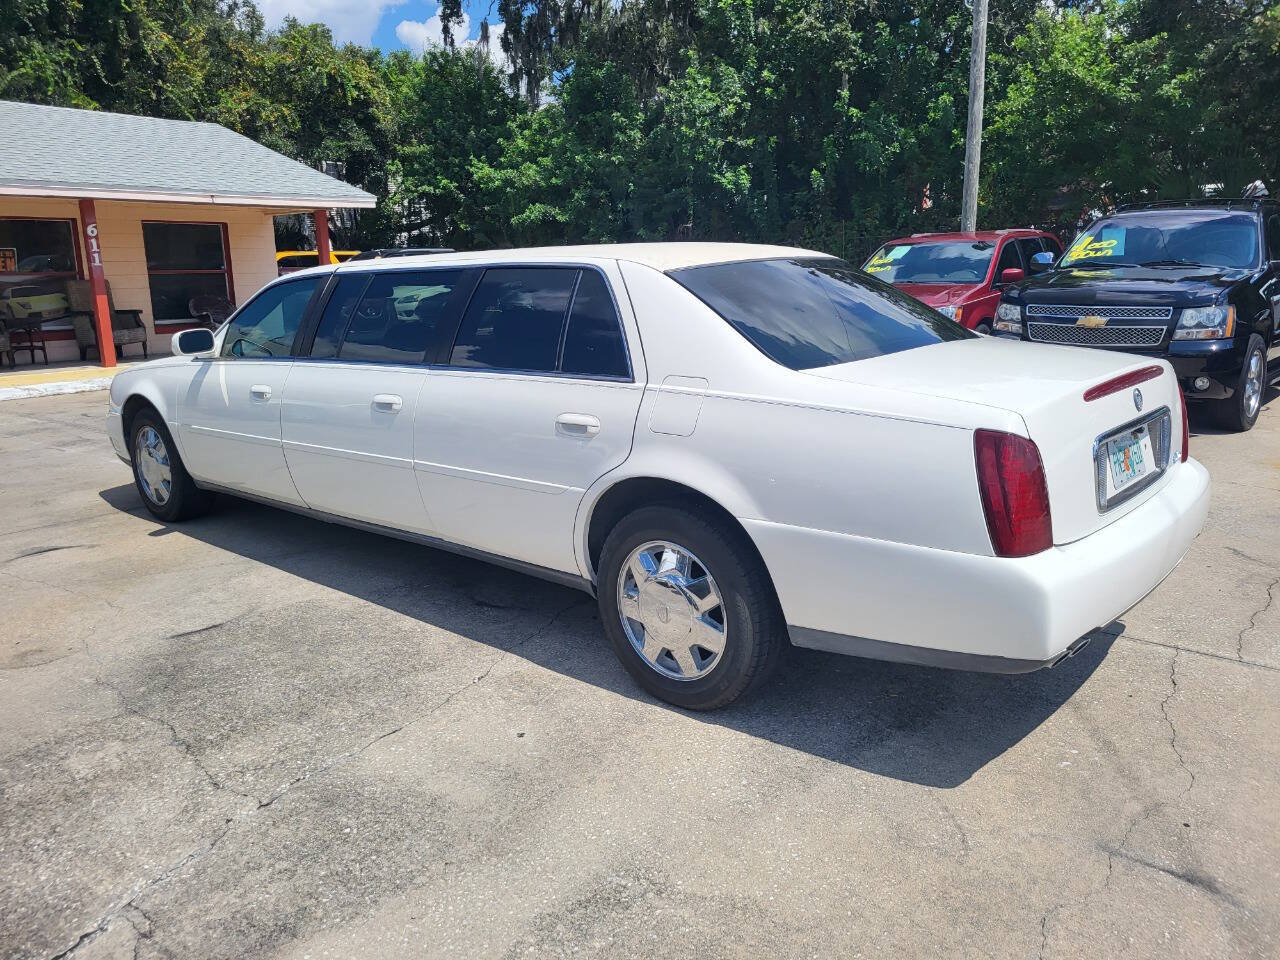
95, 252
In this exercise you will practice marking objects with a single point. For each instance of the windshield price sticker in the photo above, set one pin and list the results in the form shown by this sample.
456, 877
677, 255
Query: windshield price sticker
1108, 243
884, 261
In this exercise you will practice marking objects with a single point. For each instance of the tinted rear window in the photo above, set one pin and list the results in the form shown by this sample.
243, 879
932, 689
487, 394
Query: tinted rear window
515, 319
391, 317
593, 344
807, 313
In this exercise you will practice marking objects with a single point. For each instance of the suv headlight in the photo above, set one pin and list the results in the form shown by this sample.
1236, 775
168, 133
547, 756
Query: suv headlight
1216, 322
949, 312
1008, 319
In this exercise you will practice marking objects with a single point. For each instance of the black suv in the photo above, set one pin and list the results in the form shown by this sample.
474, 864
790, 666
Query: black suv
1195, 282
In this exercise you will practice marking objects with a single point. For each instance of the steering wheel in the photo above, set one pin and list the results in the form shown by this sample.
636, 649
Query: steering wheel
238, 350
370, 310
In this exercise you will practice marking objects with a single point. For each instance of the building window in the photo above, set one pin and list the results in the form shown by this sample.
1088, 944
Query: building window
37, 257
185, 260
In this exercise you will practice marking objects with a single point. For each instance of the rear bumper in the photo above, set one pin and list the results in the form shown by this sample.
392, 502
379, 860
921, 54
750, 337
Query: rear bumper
900, 602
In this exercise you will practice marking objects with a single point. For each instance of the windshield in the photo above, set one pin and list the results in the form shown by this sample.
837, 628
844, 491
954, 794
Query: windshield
962, 261
1213, 238
815, 312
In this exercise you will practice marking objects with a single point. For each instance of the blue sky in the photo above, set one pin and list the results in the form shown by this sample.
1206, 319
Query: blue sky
389, 24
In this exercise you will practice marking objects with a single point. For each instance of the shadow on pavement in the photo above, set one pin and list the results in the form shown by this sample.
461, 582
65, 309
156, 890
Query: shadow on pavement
916, 724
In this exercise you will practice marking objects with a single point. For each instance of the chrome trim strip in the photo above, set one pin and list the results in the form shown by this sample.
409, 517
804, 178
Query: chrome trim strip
498, 479
234, 435
1071, 310
318, 449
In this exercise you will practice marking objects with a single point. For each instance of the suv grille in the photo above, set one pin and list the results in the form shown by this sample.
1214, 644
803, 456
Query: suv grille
1095, 336
1072, 312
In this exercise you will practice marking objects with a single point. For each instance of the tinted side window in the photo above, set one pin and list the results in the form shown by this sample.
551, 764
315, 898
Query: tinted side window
816, 312
1009, 259
1051, 245
398, 316
266, 326
515, 319
1273, 236
1030, 247
593, 344
337, 313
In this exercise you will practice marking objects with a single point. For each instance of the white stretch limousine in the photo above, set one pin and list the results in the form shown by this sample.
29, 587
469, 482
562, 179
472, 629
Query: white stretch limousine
732, 446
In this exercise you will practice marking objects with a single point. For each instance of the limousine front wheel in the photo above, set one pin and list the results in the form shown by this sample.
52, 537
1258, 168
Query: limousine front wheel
167, 489
688, 607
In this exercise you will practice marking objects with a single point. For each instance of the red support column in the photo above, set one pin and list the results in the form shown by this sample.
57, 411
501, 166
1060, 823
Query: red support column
322, 237
98, 282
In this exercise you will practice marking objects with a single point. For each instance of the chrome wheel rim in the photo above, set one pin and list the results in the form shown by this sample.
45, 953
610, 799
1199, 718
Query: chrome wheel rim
671, 610
1253, 384
155, 475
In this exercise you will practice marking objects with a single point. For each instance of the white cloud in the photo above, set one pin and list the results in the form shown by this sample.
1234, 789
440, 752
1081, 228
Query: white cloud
419, 35
352, 21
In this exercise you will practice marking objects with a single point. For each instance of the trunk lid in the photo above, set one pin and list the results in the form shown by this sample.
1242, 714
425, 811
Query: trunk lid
1044, 385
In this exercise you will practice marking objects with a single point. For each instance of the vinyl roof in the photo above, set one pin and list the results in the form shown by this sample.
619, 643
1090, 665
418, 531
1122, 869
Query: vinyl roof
660, 256
57, 151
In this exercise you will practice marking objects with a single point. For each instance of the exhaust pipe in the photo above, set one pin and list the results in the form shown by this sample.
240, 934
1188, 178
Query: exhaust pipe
1072, 650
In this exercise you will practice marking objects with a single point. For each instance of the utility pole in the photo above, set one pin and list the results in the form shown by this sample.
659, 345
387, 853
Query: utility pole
973, 135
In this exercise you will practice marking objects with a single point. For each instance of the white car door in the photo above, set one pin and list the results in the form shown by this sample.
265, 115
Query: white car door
229, 413
349, 407
537, 400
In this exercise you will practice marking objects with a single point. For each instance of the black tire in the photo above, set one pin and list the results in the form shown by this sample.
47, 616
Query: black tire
185, 500
984, 327
1232, 413
755, 631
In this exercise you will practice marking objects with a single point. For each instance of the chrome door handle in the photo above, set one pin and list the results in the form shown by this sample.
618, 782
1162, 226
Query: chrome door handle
260, 391
388, 401
577, 425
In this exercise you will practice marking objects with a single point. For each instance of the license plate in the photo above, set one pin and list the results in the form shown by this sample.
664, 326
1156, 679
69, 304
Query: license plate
1129, 459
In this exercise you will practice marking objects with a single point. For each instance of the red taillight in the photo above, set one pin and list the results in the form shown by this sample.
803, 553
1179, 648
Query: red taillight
1186, 427
1015, 497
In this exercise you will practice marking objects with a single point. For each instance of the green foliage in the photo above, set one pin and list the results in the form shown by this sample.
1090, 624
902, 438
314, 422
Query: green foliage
830, 123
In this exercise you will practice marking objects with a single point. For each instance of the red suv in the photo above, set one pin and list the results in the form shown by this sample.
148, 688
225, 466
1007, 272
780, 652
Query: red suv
961, 274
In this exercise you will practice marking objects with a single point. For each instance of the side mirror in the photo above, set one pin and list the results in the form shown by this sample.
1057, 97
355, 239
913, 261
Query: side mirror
192, 343
1012, 275
1041, 262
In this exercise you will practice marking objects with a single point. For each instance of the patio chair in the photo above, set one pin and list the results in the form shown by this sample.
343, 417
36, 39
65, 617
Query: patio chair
126, 325
6, 345
210, 310
30, 330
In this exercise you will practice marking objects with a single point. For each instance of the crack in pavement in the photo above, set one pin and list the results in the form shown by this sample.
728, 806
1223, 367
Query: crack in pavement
343, 757
1199, 653
1148, 810
1112, 853
141, 888
41, 551
1173, 730
175, 738
1253, 620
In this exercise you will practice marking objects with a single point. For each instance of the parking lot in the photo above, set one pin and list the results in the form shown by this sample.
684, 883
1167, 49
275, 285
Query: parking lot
260, 735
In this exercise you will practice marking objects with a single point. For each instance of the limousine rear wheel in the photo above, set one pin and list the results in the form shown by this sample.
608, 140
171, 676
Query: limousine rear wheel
163, 482
688, 607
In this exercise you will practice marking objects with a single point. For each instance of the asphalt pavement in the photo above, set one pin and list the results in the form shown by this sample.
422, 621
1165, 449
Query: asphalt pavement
259, 735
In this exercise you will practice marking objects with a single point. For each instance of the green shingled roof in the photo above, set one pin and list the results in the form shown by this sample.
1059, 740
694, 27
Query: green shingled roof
55, 151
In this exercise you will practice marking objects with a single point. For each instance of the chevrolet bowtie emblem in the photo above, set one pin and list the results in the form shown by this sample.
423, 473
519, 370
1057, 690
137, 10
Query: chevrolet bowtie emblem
1091, 320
